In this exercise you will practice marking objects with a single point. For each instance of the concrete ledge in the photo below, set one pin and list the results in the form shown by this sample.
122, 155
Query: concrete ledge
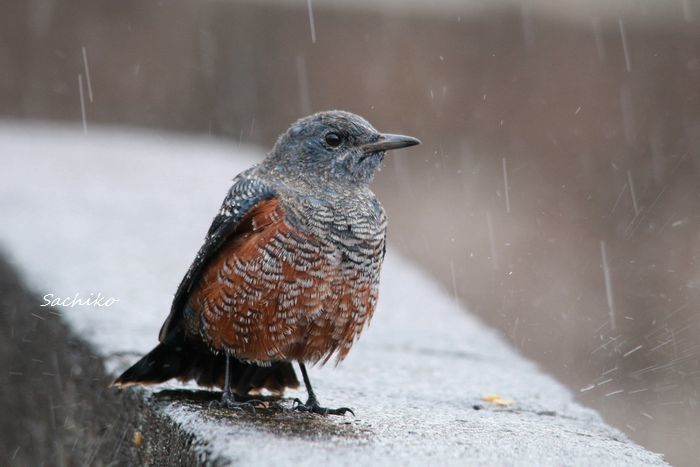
122, 214
56, 408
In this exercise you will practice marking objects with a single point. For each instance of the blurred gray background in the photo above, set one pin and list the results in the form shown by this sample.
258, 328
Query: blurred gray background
556, 192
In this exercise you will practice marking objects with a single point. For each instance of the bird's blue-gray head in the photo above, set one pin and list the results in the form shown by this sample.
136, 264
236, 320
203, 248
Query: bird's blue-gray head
336, 146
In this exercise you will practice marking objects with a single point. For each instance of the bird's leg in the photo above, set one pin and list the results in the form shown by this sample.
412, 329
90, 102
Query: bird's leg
312, 404
228, 399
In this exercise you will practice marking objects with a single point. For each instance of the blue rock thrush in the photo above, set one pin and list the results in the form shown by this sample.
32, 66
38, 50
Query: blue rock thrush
289, 270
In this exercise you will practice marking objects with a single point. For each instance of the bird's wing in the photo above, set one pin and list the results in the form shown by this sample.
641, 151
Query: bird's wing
243, 196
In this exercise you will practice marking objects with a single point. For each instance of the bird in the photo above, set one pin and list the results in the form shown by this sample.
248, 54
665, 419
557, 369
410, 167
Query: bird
288, 271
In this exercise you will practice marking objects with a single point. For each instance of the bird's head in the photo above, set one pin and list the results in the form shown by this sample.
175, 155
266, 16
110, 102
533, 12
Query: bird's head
334, 145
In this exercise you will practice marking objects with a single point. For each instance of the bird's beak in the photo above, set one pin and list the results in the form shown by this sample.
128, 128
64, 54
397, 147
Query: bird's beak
386, 142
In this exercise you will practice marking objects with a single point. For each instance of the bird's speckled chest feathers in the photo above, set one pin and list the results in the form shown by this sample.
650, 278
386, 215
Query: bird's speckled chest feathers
302, 281
349, 220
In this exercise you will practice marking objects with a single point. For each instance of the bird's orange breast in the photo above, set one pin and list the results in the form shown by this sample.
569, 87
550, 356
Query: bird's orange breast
274, 293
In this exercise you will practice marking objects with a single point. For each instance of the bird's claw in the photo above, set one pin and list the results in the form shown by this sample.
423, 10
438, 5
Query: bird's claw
314, 407
228, 402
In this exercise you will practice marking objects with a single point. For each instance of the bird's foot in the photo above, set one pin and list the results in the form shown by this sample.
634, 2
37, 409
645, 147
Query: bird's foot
229, 401
312, 406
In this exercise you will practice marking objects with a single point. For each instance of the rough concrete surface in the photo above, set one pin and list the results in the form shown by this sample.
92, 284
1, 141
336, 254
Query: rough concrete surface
56, 407
122, 214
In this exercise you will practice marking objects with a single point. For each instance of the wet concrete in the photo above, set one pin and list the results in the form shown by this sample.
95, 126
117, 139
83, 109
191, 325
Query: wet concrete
122, 214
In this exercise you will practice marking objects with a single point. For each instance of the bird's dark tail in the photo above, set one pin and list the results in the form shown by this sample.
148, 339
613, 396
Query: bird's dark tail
187, 362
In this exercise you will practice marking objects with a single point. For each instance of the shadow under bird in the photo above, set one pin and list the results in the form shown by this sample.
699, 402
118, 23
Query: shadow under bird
289, 270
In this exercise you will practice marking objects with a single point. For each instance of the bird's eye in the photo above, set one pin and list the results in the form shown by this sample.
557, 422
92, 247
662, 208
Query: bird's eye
333, 140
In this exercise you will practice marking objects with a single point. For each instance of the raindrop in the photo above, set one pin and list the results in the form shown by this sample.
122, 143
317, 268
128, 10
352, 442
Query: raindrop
489, 224
608, 285
312, 24
626, 354
619, 197
634, 197
87, 74
687, 11
454, 282
628, 66
528, 29
303, 85
505, 182
82, 103
598, 36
